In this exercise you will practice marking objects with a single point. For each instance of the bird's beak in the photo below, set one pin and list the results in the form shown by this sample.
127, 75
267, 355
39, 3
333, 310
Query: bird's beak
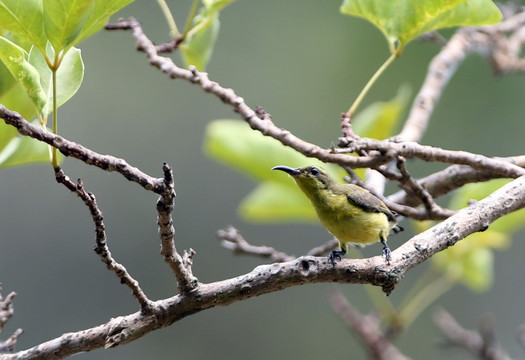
287, 169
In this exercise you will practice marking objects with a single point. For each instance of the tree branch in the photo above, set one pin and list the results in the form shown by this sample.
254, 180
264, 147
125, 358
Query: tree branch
261, 121
77, 151
451, 178
6, 312
409, 149
480, 344
484, 40
367, 328
264, 124
273, 277
101, 247
180, 265
232, 239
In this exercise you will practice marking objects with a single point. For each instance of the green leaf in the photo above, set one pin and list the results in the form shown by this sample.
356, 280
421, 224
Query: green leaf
277, 202
197, 49
14, 97
16, 60
380, 119
69, 76
8, 81
64, 20
198, 46
401, 21
7, 133
23, 150
471, 13
17, 99
24, 19
214, 6
96, 16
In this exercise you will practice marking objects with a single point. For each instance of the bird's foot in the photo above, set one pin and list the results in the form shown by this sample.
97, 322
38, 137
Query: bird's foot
336, 254
386, 252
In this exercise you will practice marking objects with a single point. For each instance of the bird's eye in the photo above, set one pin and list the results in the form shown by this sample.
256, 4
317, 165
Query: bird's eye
314, 171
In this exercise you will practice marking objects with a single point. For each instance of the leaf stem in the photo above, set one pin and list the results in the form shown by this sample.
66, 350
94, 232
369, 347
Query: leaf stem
369, 84
54, 157
169, 18
189, 20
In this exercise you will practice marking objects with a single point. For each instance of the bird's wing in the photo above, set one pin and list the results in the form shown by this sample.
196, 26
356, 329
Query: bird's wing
368, 202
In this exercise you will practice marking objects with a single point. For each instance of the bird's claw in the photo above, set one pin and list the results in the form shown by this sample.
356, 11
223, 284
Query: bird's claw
335, 255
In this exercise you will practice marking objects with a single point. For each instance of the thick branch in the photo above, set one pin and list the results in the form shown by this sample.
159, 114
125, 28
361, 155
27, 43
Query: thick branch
304, 270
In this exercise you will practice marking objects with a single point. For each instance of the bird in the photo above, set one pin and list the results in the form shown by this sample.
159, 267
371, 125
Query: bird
349, 212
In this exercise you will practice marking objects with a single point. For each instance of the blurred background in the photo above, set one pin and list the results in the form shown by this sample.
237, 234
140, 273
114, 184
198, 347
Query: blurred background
304, 63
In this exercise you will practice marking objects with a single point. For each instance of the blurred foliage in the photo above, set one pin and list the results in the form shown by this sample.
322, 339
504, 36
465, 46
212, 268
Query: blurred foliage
200, 39
471, 260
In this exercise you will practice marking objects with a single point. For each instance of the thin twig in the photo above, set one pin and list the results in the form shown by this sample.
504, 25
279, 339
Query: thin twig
228, 96
367, 328
481, 346
9, 344
388, 150
484, 40
410, 149
101, 247
323, 249
77, 151
6, 308
6, 312
180, 265
451, 178
232, 239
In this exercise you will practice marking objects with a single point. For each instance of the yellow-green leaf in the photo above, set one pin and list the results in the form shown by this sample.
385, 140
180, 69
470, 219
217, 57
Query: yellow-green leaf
198, 46
401, 21
63, 21
16, 60
276, 202
380, 119
69, 76
24, 19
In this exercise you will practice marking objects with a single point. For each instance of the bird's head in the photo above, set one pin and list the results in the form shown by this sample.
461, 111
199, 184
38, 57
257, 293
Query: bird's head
311, 179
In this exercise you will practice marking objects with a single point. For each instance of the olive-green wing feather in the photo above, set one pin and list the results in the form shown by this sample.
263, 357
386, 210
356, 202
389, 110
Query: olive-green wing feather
371, 203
